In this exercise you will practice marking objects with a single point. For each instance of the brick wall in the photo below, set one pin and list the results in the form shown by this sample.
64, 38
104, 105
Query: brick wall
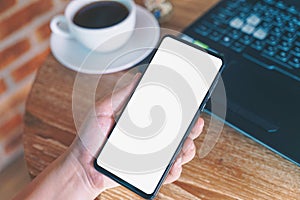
24, 44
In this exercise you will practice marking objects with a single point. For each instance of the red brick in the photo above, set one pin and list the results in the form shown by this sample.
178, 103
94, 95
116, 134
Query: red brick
29, 67
6, 4
43, 32
23, 17
10, 125
3, 86
11, 53
13, 144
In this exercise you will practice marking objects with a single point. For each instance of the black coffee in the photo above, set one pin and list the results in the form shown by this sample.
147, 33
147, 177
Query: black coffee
100, 14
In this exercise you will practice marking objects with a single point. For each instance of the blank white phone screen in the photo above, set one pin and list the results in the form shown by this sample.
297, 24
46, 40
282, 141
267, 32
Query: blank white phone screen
158, 114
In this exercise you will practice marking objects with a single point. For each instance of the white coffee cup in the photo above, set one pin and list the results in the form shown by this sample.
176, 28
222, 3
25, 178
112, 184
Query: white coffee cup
99, 39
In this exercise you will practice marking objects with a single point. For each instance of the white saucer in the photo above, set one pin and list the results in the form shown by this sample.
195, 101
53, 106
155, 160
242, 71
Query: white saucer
76, 57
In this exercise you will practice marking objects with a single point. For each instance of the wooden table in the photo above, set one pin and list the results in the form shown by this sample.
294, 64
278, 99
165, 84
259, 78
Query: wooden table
236, 168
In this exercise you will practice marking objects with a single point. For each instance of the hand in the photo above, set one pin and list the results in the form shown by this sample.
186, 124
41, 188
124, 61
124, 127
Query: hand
93, 133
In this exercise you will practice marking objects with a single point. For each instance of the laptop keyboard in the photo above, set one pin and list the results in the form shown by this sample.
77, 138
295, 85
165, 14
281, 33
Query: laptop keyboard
266, 32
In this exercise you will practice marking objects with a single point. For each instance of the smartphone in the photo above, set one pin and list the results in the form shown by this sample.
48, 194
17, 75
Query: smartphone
152, 127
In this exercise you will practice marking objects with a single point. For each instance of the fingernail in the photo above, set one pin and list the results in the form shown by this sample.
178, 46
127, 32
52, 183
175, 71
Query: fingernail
202, 124
201, 130
190, 146
178, 162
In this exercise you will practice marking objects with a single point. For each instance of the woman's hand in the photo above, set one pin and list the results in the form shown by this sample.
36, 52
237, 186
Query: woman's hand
98, 124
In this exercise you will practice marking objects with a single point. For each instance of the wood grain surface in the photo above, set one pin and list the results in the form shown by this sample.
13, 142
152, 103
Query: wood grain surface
236, 168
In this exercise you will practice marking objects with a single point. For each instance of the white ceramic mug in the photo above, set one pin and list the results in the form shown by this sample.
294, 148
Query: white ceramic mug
99, 39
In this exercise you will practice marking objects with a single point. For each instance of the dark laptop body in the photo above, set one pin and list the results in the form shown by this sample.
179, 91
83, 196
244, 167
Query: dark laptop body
263, 97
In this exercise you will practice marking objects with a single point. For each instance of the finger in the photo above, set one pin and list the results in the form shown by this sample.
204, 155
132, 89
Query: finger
197, 129
114, 102
188, 150
175, 171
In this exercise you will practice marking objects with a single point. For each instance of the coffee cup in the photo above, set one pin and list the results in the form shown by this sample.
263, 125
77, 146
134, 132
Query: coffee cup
101, 25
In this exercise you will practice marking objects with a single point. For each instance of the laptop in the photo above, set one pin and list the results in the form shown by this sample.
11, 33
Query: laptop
260, 41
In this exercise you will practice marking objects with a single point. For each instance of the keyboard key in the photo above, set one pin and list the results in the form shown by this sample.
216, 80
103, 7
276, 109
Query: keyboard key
274, 11
286, 16
243, 15
237, 46
270, 50
282, 56
253, 19
294, 61
297, 42
221, 16
277, 31
296, 21
217, 25
258, 8
245, 9
271, 2
293, 10
236, 23
235, 34
267, 14
281, 5
284, 45
279, 21
265, 25
246, 39
271, 39
228, 12
258, 45
248, 29
295, 50
215, 36
260, 34
202, 30
291, 24
289, 36
232, 5
226, 41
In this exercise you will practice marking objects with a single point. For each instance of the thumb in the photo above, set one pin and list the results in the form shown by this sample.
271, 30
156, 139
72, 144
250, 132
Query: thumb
116, 100
98, 122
